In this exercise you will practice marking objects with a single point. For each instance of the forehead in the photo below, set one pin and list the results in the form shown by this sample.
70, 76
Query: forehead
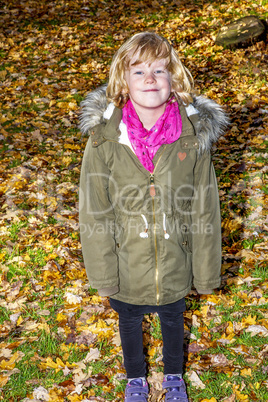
138, 63
148, 55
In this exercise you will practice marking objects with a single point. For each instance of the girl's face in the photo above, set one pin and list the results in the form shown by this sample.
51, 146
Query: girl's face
149, 86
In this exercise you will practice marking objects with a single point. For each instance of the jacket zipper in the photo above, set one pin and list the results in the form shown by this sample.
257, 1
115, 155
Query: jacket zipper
153, 193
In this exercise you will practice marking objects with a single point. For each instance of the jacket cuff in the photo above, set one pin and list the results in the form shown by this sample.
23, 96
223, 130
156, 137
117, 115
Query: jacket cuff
108, 291
204, 291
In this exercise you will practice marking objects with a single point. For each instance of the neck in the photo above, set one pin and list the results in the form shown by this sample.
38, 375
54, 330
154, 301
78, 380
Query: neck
148, 116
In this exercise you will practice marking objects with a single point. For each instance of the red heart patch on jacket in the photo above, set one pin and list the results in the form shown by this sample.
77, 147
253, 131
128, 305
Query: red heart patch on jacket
182, 155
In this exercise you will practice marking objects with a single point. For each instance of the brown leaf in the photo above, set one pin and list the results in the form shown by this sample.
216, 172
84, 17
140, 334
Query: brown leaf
36, 135
86, 338
95, 380
70, 338
219, 360
229, 399
68, 384
71, 322
194, 347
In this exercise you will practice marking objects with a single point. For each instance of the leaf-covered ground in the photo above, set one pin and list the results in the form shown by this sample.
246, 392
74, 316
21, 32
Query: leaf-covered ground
58, 339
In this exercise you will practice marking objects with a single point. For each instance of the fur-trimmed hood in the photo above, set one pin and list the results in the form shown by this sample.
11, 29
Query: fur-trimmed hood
210, 126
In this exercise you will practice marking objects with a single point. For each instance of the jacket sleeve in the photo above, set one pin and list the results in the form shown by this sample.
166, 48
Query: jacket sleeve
97, 222
206, 227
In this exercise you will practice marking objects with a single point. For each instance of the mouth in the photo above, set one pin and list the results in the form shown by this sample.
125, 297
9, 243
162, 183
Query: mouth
150, 90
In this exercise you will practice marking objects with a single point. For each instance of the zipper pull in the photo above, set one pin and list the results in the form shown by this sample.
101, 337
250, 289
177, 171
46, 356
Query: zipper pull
152, 187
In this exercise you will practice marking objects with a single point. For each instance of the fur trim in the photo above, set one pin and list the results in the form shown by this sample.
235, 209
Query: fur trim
93, 108
212, 122
211, 125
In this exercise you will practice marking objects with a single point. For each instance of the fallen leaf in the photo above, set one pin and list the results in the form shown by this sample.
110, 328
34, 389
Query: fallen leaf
229, 399
92, 355
195, 380
73, 299
209, 400
3, 380
219, 360
41, 393
257, 329
246, 372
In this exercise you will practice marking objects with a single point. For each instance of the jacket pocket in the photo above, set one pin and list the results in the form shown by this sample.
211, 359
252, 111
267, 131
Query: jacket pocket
183, 227
119, 232
186, 236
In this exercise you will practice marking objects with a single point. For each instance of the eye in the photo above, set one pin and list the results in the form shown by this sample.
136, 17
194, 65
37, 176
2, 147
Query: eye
138, 72
159, 71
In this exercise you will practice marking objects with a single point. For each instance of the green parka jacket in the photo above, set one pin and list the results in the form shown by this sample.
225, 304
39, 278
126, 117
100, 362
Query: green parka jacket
150, 236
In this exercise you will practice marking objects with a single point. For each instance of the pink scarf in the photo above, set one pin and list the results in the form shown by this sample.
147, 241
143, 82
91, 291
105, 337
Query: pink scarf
145, 142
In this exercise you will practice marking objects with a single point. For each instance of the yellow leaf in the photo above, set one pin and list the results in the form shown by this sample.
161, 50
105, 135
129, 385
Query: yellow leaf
49, 276
3, 380
45, 327
51, 256
213, 299
52, 103
72, 105
7, 365
70, 365
61, 317
16, 357
60, 362
249, 320
152, 351
64, 347
240, 396
75, 398
48, 364
62, 105
229, 337
66, 356
55, 395
96, 299
20, 319
101, 324
209, 400
230, 328
204, 311
3, 74
246, 372
67, 160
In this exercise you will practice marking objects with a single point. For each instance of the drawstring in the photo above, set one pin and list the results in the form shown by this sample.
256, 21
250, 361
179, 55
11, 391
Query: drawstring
164, 227
144, 234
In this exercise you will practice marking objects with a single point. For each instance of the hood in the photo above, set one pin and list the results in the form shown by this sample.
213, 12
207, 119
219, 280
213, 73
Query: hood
210, 125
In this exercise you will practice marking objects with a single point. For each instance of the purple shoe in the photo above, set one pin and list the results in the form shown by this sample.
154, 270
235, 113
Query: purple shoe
136, 391
176, 389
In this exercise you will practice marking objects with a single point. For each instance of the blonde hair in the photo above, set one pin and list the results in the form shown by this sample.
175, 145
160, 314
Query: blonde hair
148, 47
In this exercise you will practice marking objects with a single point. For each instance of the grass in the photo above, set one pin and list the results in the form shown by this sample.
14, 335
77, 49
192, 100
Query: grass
156, 328
4, 314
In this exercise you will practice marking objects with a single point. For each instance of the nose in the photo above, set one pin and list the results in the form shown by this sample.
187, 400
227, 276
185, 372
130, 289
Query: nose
150, 78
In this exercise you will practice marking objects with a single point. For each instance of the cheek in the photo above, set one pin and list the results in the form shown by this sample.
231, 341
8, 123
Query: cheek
169, 86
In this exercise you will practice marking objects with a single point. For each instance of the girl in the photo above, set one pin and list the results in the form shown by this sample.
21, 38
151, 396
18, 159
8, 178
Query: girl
149, 205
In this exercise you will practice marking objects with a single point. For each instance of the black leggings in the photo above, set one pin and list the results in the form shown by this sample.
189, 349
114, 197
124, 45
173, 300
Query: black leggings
130, 327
